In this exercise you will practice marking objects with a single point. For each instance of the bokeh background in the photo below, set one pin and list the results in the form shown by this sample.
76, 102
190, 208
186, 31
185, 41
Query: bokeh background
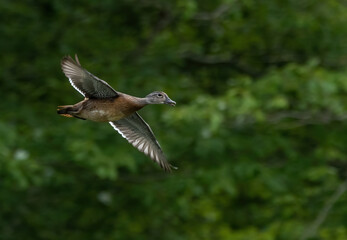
259, 132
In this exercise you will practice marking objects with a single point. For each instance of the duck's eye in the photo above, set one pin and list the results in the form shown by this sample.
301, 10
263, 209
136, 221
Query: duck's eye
160, 95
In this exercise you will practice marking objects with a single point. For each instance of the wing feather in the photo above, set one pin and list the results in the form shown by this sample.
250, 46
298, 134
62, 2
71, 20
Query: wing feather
84, 82
137, 132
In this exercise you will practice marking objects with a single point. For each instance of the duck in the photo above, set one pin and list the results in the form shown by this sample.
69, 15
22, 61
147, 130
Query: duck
102, 103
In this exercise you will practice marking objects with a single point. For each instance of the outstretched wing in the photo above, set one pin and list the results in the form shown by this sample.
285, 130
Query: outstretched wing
84, 82
137, 132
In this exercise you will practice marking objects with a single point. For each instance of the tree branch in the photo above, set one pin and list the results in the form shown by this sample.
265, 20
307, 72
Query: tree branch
305, 118
312, 230
289, 119
217, 13
223, 59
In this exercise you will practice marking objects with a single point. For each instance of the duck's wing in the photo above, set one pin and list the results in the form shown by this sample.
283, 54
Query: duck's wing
84, 82
137, 132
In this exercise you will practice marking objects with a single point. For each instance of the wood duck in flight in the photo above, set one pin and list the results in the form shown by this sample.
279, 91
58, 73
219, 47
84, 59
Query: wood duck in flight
104, 104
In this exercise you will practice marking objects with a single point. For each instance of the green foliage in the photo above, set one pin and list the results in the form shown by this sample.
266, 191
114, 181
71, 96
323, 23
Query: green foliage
257, 133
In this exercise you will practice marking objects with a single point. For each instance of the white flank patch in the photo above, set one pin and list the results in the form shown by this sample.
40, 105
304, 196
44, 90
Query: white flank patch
101, 112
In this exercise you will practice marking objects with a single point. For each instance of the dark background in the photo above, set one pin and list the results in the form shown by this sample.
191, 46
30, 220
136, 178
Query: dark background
259, 132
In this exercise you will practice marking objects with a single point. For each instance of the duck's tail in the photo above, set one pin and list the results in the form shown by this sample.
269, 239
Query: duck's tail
65, 110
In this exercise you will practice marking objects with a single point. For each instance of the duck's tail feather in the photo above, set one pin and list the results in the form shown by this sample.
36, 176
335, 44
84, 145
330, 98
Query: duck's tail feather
65, 110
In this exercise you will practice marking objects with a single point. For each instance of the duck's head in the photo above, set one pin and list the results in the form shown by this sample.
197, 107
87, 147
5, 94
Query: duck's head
158, 97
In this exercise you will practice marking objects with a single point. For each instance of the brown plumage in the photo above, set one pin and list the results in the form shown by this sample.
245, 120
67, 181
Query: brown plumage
103, 104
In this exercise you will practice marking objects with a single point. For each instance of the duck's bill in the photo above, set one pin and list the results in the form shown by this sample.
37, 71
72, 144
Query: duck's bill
170, 102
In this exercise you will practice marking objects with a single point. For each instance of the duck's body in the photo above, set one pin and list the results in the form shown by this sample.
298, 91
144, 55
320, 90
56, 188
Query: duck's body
104, 109
103, 104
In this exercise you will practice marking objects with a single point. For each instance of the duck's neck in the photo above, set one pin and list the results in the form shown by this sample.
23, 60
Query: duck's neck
142, 101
